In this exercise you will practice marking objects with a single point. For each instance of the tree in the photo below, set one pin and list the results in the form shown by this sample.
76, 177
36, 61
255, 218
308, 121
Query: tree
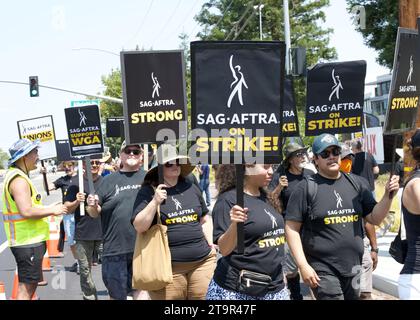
113, 88
3, 158
237, 19
381, 25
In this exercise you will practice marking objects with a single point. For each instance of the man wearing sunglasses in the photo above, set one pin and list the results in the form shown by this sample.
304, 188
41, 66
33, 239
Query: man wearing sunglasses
329, 254
284, 181
114, 204
88, 231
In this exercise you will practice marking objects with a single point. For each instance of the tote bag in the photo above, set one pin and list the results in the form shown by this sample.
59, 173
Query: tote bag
152, 268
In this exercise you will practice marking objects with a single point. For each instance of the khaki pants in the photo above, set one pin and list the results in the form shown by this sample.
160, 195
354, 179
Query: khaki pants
190, 280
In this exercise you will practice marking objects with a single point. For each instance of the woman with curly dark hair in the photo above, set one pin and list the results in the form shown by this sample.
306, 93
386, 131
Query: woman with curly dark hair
257, 273
409, 280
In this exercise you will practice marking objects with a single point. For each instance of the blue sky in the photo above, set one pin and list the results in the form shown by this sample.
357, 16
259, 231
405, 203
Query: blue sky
38, 38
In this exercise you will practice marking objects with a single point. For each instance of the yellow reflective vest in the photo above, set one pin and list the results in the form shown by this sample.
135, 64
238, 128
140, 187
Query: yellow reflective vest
20, 230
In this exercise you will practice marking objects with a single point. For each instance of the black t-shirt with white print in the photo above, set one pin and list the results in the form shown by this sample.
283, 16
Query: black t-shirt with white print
264, 240
181, 212
63, 183
116, 194
332, 238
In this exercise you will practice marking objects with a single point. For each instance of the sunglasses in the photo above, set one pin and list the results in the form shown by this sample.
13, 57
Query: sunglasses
326, 153
95, 163
136, 152
300, 154
169, 165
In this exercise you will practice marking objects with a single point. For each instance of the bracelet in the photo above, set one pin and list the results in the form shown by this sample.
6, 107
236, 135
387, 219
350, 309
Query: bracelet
374, 250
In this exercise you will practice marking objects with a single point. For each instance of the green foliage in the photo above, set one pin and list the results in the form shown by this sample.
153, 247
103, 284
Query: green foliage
219, 20
3, 157
381, 27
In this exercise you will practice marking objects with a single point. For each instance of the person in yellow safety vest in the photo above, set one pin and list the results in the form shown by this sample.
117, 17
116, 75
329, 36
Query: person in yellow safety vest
24, 217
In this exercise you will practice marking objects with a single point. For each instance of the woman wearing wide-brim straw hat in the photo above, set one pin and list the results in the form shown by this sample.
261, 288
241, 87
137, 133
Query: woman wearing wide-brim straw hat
189, 226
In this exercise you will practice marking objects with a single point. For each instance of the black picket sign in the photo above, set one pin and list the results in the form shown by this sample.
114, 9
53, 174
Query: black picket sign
154, 95
115, 127
404, 96
84, 130
335, 97
290, 117
236, 89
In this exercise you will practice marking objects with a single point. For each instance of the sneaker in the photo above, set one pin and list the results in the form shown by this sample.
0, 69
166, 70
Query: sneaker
74, 268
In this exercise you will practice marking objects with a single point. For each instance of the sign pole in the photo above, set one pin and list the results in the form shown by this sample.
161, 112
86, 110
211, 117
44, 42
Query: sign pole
240, 202
81, 186
160, 165
45, 179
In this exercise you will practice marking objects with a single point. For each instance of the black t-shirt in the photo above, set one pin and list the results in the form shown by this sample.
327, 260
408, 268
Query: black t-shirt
116, 194
332, 238
264, 240
63, 183
181, 212
363, 164
292, 180
86, 228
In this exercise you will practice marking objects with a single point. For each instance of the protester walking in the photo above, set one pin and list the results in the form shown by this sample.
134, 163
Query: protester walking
409, 280
113, 203
88, 231
328, 209
25, 222
284, 181
184, 212
364, 164
257, 274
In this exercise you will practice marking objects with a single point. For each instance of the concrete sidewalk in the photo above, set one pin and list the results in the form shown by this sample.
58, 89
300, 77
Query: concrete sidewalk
385, 277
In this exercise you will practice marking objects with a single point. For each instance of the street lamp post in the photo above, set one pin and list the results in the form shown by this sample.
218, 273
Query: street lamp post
260, 7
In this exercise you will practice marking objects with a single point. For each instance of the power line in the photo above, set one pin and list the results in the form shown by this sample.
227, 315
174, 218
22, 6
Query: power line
250, 4
167, 22
141, 23
244, 25
220, 20
183, 20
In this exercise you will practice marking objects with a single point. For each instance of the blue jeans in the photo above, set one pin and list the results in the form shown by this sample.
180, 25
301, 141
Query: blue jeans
205, 187
117, 274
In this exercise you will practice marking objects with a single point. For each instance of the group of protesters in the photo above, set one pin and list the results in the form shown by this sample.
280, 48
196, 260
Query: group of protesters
299, 224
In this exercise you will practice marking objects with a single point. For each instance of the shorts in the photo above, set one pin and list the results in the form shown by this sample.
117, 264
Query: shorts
335, 287
117, 274
68, 220
367, 269
29, 262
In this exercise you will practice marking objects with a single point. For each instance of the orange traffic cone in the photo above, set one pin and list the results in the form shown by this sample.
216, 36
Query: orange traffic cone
2, 292
52, 243
46, 263
16, 289
15, 286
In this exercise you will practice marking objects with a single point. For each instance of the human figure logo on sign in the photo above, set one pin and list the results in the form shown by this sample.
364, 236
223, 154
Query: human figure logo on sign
156, 86
336, 87
82, 118
410, 72
239, 83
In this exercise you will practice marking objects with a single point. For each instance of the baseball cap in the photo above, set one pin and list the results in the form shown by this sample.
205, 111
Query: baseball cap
323, 142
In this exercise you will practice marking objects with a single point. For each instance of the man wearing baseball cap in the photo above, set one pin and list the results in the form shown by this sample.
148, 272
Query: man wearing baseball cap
329, 208
24, 216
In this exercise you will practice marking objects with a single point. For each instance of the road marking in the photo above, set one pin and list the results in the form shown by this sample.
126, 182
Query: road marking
3, 246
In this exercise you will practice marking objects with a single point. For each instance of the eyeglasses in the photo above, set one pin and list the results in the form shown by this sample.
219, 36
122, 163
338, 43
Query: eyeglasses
326, 153
169, 165
136, 152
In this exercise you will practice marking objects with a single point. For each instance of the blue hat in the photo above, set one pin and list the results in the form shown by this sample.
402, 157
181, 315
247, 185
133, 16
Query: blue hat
324, 141
21, 148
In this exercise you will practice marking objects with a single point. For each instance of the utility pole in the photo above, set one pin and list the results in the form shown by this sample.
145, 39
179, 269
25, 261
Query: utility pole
287, 34
409, 10
260, 7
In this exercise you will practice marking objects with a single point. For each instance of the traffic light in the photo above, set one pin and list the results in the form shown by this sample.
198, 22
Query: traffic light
33, 86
